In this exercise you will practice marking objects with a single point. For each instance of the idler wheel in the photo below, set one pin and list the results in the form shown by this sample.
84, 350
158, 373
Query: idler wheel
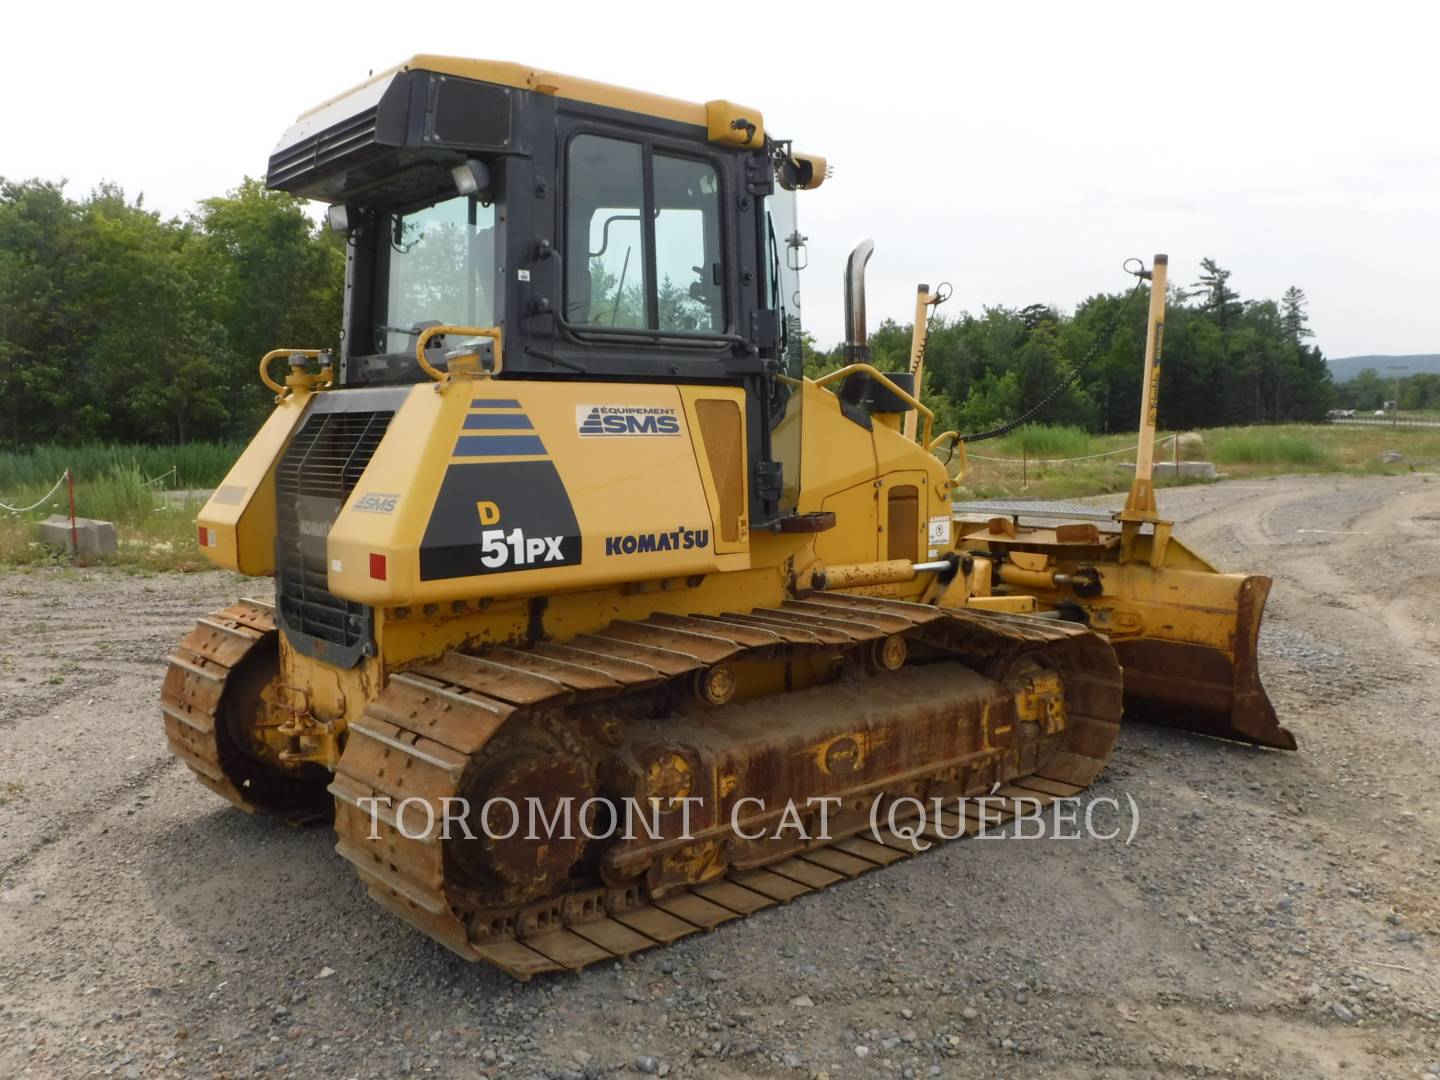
527, 812
297, 794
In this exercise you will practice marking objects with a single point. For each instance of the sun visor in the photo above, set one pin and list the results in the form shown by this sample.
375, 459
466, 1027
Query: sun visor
392, 143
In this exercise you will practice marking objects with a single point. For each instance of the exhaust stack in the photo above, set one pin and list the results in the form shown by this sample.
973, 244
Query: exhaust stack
857, 341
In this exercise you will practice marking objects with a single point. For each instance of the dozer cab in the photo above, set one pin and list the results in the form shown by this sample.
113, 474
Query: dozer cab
563, 532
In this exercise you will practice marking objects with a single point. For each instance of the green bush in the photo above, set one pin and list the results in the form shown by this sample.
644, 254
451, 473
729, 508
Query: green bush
1261, 447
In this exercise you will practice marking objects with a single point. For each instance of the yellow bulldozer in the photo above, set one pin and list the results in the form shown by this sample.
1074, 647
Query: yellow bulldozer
562, 531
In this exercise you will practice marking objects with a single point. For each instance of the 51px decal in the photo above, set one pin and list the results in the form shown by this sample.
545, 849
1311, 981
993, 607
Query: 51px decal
500, 517
499, 548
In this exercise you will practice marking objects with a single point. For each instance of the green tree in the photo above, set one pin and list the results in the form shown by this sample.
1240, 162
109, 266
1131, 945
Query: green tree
117, 323
1226, 361
1293, 314
1366, 391
1221, 301
155, 357
45, 317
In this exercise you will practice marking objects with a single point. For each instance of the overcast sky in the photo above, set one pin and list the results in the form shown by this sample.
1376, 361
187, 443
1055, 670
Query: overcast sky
1021, 152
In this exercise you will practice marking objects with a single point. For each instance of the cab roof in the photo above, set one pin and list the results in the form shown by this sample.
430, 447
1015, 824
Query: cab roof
525, 77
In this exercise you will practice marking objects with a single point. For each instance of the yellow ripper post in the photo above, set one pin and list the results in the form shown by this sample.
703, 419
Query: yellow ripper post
918, 334
1140, 507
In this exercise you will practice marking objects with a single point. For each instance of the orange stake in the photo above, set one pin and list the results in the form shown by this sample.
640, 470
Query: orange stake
74, 530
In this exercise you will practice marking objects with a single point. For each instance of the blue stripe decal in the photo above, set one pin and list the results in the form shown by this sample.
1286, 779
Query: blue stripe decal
494, 403
498, 422
498, 445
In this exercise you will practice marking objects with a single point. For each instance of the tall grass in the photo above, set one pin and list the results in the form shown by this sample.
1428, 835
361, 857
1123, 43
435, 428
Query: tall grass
197, 465
1260, 446
117, 483
1240, 452
124, 484
1044, 441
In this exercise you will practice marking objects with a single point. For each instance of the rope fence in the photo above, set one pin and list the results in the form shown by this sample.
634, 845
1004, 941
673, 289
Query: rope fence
172, 473
1062, 461
39, 502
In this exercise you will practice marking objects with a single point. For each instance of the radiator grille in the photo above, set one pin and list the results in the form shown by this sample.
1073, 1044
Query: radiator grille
319, 470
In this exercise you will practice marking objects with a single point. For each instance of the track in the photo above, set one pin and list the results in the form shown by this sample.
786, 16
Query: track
433, 727
225, 661
195, 682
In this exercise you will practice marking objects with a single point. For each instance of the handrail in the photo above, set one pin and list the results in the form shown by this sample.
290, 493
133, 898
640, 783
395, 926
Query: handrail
492, 332
957, 445
904, 395
271, 355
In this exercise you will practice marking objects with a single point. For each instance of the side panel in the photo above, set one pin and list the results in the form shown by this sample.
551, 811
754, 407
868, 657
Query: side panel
896, 456
716, 418
521, 488
857, 525
835, 452
238, 523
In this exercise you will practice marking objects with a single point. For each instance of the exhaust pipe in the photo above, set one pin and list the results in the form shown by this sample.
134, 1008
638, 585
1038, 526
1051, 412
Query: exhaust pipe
857, 341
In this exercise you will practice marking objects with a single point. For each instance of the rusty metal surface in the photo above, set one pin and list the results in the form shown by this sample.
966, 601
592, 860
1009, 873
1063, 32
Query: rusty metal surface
195, 683
1204, 690
230, 655
622, 721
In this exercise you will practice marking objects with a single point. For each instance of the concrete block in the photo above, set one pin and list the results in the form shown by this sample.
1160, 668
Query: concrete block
95, 537
1189, 470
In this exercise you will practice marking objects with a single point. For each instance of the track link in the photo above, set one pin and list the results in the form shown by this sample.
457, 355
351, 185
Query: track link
419, 736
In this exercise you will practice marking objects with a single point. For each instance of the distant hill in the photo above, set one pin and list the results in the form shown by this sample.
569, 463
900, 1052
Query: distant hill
1345, 368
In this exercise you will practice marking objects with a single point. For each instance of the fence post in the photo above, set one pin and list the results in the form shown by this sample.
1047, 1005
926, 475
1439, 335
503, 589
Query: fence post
74, 530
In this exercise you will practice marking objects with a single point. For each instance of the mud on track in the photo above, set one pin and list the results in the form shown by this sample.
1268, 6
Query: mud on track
1277, 915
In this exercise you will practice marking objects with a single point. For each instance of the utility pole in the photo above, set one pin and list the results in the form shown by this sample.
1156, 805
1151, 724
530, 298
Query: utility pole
1395, 414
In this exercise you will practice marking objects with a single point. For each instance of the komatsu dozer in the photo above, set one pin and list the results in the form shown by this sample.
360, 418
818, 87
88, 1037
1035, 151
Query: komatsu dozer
562, 532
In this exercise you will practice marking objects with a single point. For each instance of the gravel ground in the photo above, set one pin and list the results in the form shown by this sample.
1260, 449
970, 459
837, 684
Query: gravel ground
1275, 915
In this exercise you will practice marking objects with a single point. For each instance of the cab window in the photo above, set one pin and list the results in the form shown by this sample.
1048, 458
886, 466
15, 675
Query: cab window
643, 239
605, 256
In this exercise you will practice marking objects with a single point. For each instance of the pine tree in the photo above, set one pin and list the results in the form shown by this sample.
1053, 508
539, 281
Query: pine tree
1293, 316
1221, 301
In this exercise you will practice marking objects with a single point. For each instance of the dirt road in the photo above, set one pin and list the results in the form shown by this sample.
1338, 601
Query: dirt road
1276, 915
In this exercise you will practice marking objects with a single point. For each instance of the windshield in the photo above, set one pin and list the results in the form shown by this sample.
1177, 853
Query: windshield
442, 268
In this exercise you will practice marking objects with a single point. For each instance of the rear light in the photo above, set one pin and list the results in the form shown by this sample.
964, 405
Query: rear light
206, 536
377, 566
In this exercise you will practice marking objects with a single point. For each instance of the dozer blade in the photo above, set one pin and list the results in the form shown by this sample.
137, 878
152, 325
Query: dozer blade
1193, 665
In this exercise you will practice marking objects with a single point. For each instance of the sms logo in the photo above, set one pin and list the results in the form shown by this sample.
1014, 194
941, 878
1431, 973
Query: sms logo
625, 421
